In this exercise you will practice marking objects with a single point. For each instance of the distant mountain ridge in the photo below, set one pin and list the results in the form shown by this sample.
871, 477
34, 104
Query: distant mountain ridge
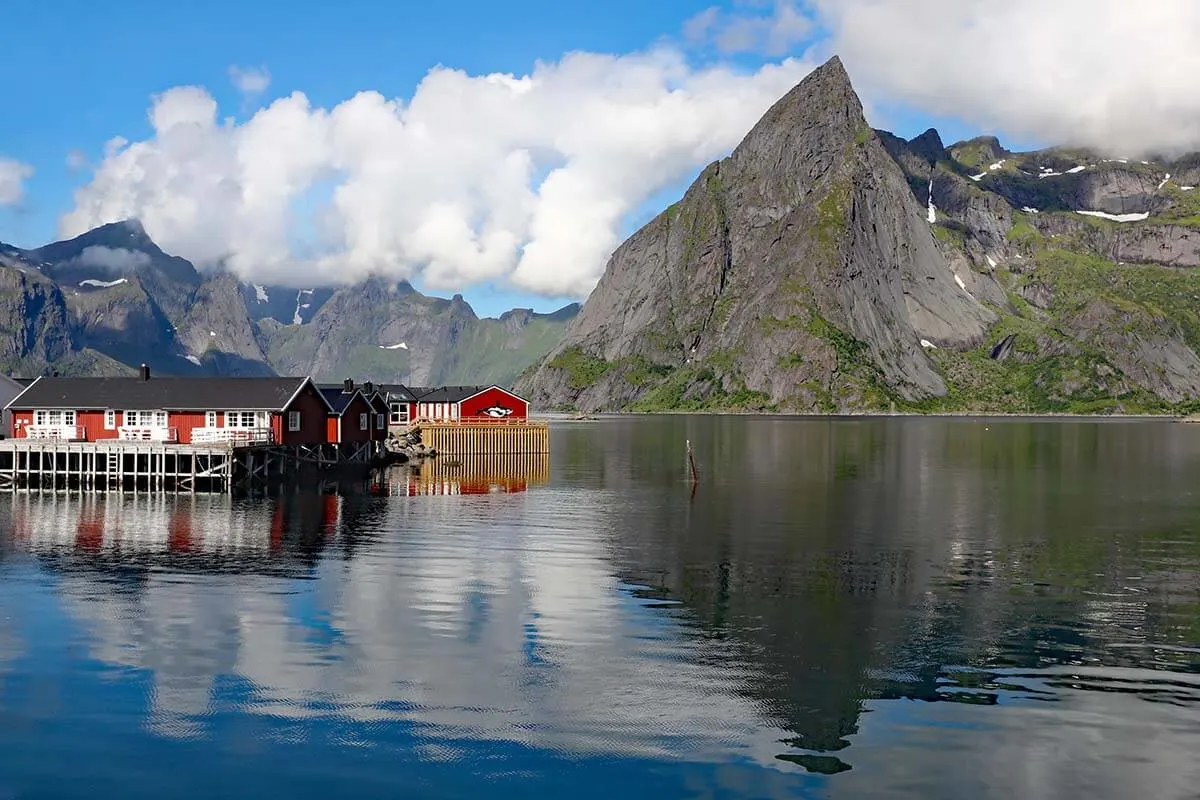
828, 267
111, 299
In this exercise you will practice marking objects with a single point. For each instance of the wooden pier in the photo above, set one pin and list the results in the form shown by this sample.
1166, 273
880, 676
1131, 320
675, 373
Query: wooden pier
120, 465
491, 437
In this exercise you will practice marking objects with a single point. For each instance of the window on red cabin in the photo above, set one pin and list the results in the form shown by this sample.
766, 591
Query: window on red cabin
362, 422
293, 421
380, 422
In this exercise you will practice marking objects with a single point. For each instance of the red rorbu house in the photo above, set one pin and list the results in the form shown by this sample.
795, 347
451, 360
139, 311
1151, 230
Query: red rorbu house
456, 403
286, 411
356, 415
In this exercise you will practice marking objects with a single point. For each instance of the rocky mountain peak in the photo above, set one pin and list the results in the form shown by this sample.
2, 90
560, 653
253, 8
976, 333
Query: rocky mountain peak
929, 146
805, 132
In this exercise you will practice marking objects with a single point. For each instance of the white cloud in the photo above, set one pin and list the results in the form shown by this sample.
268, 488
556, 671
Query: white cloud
770, 29
1105, 73
111, 259
76, 160
476, 178
250, 80
13, 175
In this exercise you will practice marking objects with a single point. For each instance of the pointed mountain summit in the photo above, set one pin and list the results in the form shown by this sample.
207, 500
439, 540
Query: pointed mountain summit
800, 273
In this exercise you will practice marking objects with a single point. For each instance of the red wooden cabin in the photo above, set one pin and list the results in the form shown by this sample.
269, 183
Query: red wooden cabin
288, 411
455, 403
354, 418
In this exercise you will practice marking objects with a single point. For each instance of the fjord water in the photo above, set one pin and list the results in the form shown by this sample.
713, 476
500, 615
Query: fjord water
841, 608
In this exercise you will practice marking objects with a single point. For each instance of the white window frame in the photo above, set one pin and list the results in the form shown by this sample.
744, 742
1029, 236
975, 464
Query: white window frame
380, 422
399, 413
110, 420
293, 421
54, 416
143, 419
362, 421
243, 419
210, 419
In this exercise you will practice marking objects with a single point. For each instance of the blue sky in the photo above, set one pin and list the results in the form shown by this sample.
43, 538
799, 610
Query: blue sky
79, 74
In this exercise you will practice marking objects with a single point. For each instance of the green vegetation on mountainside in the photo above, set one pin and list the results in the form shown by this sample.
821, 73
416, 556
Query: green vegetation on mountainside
490, 352
1055, 365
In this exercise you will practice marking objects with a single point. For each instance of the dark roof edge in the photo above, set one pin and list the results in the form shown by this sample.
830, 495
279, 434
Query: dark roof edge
26, 389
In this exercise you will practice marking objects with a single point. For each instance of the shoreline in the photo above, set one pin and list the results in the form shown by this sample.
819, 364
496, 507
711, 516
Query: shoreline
562, 416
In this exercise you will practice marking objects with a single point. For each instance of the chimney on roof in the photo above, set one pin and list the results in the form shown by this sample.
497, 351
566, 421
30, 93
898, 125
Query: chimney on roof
145, 372
368, 387
347, 386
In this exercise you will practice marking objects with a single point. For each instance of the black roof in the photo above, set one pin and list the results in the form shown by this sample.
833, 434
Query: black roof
434, 394
339, 399
450, 394
400, 392
167, 394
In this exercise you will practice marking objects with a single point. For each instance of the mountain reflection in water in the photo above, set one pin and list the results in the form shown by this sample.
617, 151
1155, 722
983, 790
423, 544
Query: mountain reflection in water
859, 608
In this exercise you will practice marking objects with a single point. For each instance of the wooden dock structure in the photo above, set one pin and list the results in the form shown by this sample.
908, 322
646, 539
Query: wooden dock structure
122, 465
473, 437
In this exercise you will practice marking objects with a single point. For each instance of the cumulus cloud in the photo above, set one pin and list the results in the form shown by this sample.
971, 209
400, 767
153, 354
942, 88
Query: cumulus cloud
477, 178
76, 160
250, 80
111, 259
770, 29
1109, 74
13, 175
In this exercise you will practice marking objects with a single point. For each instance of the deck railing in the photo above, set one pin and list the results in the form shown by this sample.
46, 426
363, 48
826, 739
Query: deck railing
147, 434
231, 436
481, 421
62, 433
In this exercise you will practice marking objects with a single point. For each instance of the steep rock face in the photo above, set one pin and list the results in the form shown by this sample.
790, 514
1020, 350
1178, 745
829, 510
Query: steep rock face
392, 333
33, 322
1169, 245
218, 332
800, 271
123, 322
286, 304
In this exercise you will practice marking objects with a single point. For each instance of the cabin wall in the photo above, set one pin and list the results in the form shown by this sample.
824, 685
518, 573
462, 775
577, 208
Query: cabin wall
351, 433
184, 421
331, 429
474, 406
313, 415
19, 420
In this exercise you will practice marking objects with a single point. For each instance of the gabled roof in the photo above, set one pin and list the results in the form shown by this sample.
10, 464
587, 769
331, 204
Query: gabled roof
450, 394
166, 394
338, 399
399, 392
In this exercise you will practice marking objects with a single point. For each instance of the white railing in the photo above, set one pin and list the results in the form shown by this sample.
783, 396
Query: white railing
147, 434
231, 436
63, 433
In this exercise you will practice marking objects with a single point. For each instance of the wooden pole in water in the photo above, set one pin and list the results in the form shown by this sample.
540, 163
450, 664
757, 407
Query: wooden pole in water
692, 463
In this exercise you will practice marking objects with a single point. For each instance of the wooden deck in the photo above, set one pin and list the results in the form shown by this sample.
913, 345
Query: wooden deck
485, 437
118, 465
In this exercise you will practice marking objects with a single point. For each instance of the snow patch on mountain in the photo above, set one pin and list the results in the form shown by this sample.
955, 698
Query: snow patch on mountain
1116, 217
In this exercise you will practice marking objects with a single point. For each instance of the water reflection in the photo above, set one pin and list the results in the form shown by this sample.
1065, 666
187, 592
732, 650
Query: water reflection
479, 474
867, 608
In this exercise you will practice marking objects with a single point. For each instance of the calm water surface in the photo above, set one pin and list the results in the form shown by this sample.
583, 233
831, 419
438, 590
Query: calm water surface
866, 608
